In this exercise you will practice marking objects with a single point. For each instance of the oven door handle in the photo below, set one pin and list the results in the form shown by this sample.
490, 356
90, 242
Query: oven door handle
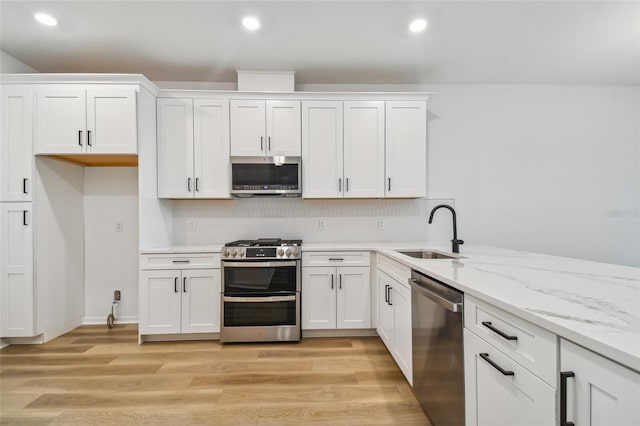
258, 264
259, 299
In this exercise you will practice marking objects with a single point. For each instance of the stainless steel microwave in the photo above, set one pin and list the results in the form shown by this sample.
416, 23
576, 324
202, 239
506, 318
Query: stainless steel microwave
266, 177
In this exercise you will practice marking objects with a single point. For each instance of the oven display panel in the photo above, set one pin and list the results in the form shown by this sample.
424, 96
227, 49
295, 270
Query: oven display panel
261, 252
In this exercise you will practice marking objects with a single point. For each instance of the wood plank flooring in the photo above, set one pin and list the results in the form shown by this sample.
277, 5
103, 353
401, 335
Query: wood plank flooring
99, 376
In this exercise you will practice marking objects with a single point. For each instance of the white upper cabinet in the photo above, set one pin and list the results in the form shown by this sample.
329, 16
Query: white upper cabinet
283, 128
72, 120
211, 148
265, 128
364, 149
247, 128
322, 149
16, 270
111, 121
406, 149
175, 148
193, 148
16, 143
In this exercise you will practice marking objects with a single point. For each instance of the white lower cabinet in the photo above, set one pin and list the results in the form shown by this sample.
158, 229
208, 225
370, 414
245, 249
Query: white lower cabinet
335, 297
598, 391
499, 391
179, 301
16, 270
394, 321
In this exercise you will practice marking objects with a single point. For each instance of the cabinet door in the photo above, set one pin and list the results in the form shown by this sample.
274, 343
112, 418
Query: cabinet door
200, 300
364, 149
16, 270
111, 121
16, 143
211, 148
402, 347
385, 310
322, 149
247, 128
160, 302
495, 399
283, 128
353, 298
601, 392
61, 125
318, 298
406, 149
175, 148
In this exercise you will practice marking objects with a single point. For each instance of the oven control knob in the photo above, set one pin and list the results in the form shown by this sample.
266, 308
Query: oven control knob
288, 252
234, 253
280, 252
296, 252
225, 252
240, 253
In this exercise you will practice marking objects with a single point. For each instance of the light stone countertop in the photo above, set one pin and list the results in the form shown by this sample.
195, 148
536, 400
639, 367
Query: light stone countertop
596, 305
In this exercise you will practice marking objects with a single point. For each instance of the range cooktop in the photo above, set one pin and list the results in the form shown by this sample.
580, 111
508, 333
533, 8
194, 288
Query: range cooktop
262, 248
264, 242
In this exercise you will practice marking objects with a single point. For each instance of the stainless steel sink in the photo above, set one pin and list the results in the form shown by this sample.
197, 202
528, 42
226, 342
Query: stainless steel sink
427, 254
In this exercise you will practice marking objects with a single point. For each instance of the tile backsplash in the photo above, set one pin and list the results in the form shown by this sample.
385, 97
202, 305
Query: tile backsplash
217, 221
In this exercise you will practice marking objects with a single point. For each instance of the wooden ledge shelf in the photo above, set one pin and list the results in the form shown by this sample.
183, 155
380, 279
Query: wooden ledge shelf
130, 160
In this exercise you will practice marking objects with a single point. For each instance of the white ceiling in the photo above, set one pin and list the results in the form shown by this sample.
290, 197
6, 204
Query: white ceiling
556, 42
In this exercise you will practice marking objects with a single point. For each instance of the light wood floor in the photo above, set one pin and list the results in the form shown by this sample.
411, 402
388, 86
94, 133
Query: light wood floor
94, 375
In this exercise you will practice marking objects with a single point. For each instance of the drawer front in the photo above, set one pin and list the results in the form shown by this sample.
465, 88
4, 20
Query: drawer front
180, 261
499, 391
395, 270
533, 347
337, 258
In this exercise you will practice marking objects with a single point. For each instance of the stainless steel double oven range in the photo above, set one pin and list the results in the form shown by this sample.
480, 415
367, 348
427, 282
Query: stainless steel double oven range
260, 291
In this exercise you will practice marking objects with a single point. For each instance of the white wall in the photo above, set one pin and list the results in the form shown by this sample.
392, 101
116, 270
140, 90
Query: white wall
11, 65
111, 257
551, 169
58, 246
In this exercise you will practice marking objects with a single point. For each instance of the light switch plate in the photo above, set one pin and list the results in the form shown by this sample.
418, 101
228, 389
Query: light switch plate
322, 224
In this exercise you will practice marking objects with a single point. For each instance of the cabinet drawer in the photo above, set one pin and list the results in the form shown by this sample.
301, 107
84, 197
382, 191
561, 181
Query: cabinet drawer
533, 347
179, 261
336, 258
395, 270
513, 396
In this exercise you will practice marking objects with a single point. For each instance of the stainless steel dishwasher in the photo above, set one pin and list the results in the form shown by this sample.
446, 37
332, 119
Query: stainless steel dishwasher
438, 360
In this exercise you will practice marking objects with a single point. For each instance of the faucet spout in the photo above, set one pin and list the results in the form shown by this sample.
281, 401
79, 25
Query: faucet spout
455, 242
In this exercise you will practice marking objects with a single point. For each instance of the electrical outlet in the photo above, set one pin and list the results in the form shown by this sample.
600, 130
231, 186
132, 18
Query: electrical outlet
322, 224
382, 224
119, 226
191, 225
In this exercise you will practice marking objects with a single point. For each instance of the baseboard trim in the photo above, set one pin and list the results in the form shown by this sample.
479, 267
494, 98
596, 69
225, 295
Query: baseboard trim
33, 340
103, 320
355, 332
177, 337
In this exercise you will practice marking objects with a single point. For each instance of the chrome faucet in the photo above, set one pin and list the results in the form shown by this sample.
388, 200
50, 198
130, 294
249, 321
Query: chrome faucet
455, 243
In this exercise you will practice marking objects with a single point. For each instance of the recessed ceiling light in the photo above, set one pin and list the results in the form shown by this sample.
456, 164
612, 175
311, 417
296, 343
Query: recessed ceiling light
251, 23
418, 25
46, 19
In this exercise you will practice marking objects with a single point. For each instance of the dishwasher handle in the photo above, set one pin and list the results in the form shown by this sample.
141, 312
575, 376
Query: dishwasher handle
450, 305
